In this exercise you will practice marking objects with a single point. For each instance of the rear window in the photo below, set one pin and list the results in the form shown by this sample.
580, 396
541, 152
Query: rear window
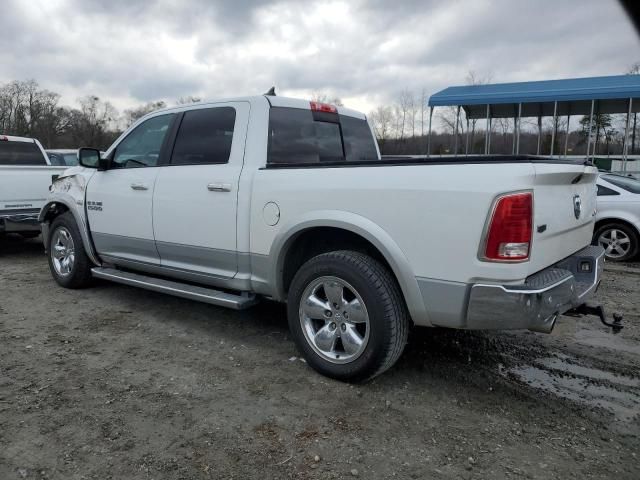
626, 183
20, 153
296, 136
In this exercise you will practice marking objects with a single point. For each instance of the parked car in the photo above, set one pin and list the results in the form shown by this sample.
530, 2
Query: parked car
617, 227
25, 176
230, 201
63, 157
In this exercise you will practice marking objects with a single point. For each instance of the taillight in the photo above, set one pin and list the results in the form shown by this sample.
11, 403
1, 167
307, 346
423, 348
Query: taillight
508, 237
3, 138
323, 107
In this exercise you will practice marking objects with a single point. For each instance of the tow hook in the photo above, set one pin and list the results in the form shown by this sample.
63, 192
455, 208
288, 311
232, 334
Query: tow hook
598, 310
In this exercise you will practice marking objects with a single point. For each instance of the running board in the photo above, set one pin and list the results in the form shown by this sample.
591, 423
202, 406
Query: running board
192, 292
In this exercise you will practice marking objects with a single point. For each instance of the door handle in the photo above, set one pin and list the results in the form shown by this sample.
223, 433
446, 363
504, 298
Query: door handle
139, 186
219, 187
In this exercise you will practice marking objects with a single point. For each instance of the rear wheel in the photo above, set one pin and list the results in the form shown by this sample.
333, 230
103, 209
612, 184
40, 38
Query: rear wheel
347, 315
68, 261
620, 242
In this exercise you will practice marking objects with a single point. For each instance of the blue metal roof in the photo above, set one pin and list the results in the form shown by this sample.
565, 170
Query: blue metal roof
574, 96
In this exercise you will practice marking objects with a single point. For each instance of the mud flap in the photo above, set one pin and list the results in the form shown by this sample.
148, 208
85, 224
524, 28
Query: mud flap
598, 311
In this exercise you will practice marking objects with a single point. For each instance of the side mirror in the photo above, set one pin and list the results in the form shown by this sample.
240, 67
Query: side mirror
89, 157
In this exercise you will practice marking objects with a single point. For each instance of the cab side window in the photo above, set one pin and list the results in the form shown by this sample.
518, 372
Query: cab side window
205, 136
141, 148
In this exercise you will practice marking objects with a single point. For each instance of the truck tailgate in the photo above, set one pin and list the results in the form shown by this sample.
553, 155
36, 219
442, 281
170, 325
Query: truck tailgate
564, 211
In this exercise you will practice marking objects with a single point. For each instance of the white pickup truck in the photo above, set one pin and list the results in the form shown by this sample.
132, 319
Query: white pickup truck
230, 201
25, 176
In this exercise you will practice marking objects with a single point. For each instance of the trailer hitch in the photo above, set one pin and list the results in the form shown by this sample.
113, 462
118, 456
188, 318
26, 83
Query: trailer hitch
598, 311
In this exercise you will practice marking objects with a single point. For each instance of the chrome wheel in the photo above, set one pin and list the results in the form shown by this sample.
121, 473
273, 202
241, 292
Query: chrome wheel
334, 319
615, 242
62, 252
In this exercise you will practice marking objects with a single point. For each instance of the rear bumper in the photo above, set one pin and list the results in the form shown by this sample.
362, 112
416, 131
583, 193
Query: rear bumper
19, 220
536, 304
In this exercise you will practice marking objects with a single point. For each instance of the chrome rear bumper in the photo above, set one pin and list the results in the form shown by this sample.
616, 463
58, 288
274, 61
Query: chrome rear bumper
536, 304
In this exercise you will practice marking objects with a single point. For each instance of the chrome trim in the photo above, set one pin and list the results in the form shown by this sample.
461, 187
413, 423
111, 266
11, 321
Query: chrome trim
509, 307
214, 297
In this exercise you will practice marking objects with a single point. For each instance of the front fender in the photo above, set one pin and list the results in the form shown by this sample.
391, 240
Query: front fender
69, 192
363, 227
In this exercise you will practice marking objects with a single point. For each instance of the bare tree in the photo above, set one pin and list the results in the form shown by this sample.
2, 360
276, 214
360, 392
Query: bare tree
382, 122
634, 70
323, 97
133, 114
187, 100
423, 108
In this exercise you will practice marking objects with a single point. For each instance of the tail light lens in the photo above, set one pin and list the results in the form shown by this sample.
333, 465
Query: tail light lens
509, 233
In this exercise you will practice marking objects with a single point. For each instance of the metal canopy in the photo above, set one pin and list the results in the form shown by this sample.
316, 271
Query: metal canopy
573, 97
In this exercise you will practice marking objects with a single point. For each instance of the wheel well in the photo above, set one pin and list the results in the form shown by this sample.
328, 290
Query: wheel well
607, 221
315, 241
55, 210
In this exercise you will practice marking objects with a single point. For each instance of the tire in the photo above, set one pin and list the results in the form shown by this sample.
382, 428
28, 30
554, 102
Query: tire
372, 310
619, 241
65, 243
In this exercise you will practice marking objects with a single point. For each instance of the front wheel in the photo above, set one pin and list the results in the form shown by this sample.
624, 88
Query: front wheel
347, 315
68, 261
619, 241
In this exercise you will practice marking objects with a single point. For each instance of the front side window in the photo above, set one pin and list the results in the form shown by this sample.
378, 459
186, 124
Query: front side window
141, 148
205, 136
20, 153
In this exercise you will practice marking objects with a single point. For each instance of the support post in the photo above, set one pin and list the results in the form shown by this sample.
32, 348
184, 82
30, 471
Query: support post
539, 134
455, 144
466, 143
553, 130
487, 134
518, 137
625, 147
566, 137
590, 126
513, 143
429, 134
489, 146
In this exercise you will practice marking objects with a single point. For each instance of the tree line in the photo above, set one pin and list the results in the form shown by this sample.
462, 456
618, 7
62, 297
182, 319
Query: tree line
26, 110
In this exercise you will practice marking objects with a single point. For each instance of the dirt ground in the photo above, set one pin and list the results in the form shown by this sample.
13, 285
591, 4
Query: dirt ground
116, 382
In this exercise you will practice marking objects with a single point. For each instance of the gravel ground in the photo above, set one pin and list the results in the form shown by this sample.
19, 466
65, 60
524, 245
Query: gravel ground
117, 382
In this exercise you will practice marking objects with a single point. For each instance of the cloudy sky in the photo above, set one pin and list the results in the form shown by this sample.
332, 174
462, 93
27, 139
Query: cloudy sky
365, 52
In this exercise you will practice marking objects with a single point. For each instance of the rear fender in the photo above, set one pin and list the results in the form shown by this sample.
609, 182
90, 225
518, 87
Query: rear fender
363, 227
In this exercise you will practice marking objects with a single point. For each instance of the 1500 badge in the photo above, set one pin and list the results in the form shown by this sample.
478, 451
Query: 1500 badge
97, 206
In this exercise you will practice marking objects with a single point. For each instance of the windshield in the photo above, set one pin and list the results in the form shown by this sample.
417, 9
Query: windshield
626, 183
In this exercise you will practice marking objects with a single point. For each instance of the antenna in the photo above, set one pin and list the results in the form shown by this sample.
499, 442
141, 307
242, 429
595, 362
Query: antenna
271, 92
